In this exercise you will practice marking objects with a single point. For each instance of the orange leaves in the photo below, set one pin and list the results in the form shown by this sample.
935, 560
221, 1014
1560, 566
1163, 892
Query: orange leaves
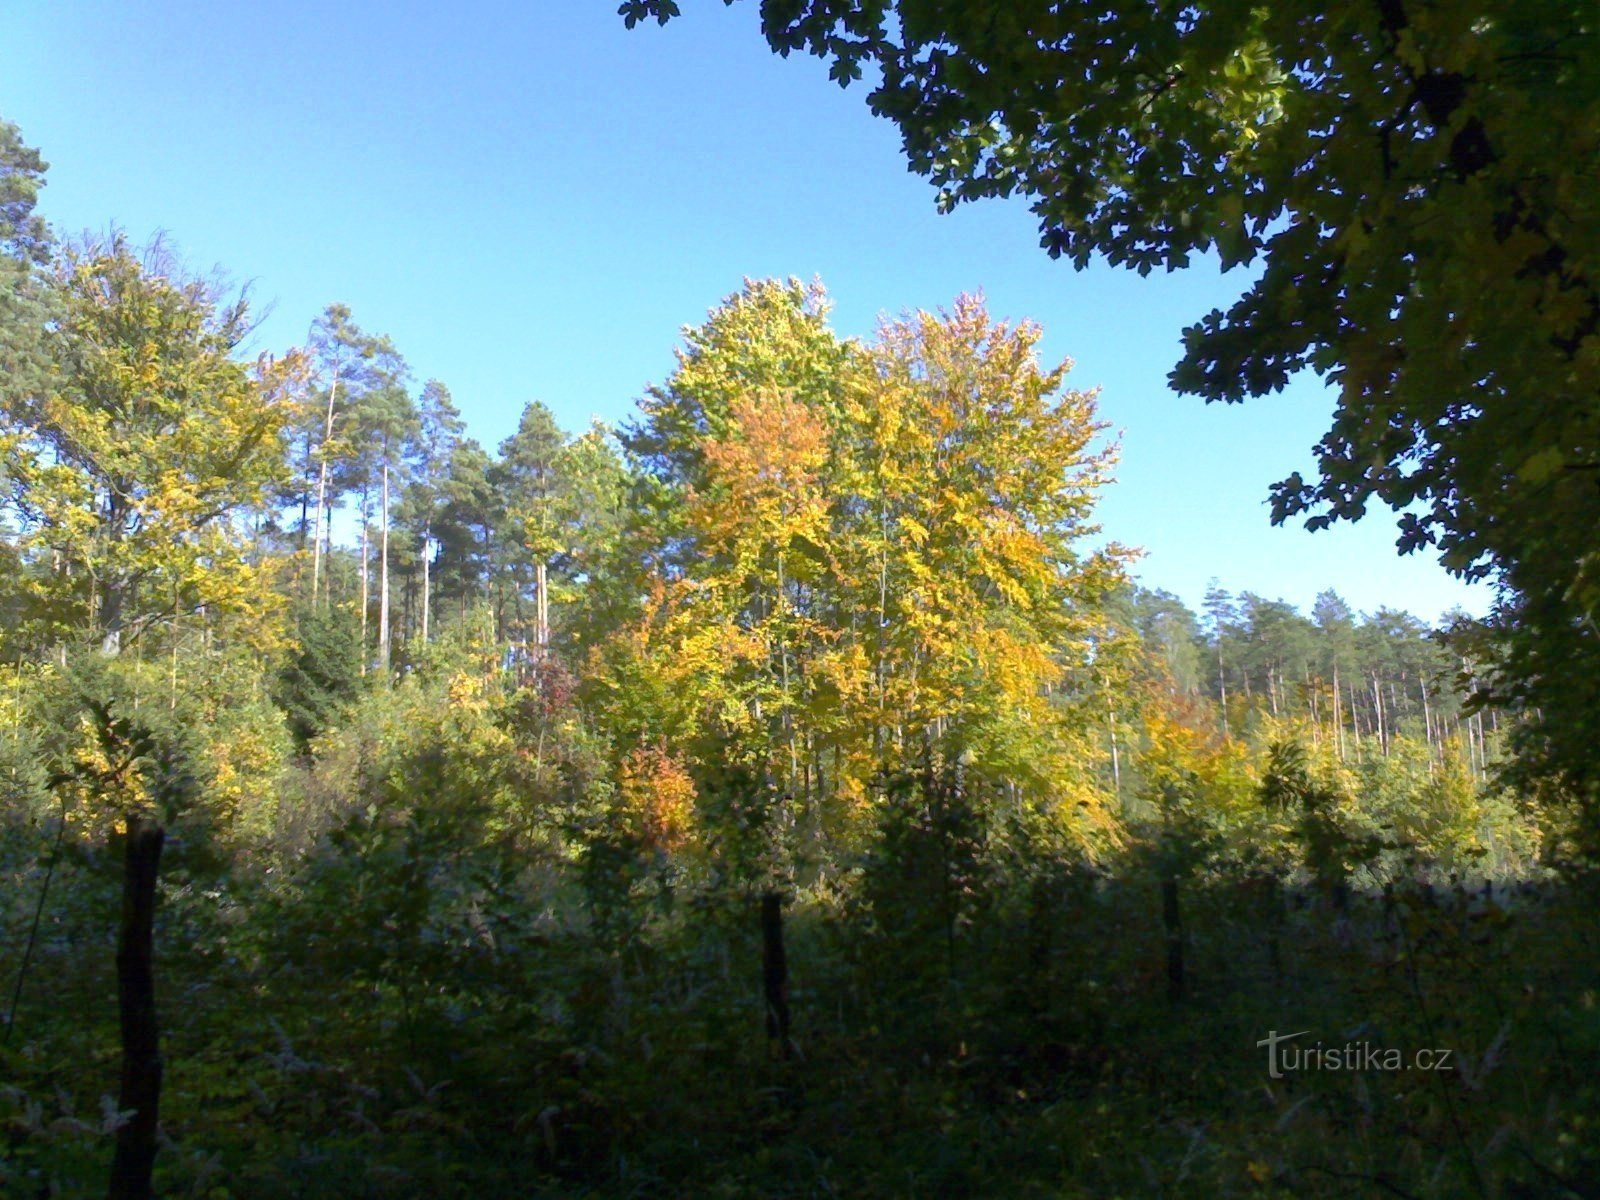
762, 485
775, 447
656, 797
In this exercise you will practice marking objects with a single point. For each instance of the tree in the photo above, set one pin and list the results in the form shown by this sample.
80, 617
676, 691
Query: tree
439, 428
150, 441
25, 248
864, 564
376, 422
388, 418
336, 345
466, 523
528, 480
25, 308
1417, 185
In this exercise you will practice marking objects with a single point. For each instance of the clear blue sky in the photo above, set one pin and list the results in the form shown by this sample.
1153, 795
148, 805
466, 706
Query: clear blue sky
533, 201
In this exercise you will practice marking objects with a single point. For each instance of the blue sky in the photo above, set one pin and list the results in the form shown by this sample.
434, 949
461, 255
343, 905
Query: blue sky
532, 201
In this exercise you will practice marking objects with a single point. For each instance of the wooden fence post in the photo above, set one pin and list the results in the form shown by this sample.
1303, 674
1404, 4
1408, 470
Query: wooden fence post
1172, 919
134, 1162
775, 972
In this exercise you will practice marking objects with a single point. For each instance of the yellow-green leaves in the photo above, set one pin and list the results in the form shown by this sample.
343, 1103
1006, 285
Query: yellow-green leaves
855, 553
152, 443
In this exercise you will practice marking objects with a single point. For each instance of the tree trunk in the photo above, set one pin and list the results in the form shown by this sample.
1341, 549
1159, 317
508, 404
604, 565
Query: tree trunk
322, 489
134, 1161
110, 614
1116, 760
366, 585
427, 595
1222, 687
541, 619
1427, 722
1338, 719
383, 586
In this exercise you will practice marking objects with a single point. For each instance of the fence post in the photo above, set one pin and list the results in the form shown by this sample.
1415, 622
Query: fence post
134, 1161
775, 972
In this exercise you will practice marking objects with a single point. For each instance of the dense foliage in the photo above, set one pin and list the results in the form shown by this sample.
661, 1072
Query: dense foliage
787, 793
1415, 184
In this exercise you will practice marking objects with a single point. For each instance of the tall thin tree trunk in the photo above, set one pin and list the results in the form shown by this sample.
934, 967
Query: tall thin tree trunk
366, 543
1222, 687
427, 562
1338, 718
1116, 761
541, 617
1427, 720
383, 586
322, 489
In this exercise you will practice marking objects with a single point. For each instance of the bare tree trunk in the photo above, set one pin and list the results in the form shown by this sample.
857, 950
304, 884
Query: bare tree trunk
1338, 719
1116, 761
541, 617
427, 594
1427, 722
366, 542
322, 489
1222, 687
134, 1160
383, 587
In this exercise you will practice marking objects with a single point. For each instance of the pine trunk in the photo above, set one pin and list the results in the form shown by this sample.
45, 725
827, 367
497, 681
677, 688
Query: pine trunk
366, 542
427, 594
383, 575
322, 490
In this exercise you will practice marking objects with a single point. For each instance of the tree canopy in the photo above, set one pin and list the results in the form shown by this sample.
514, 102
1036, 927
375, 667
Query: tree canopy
1413, 185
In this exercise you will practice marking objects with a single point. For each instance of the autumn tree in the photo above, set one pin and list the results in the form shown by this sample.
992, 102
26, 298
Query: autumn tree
979, 472
727, 456
1416, 185
857, 557
131, 469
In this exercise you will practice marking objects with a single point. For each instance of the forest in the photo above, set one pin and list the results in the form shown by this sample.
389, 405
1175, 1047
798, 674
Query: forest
787, 791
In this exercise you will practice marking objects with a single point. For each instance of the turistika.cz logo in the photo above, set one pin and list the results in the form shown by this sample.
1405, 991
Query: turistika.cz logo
1284, 1055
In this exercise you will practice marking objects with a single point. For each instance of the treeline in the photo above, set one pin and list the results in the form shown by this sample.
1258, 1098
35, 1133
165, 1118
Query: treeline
809, 567
1354, 680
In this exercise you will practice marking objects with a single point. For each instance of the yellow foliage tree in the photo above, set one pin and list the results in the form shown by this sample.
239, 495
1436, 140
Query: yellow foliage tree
134, 468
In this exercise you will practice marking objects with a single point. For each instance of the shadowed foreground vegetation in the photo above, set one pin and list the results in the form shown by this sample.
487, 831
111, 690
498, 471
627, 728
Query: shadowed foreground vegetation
421, 988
